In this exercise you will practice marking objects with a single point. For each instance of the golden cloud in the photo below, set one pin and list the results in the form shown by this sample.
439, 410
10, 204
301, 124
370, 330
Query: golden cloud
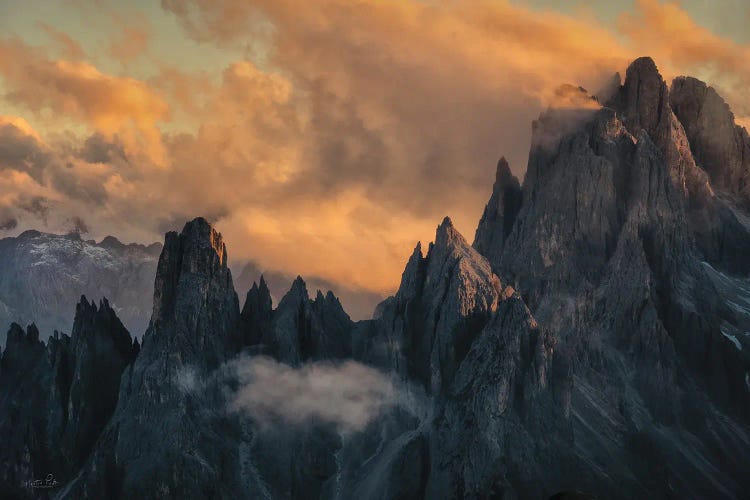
78, 90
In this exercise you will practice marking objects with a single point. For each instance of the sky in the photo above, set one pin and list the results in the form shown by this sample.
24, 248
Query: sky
323, 138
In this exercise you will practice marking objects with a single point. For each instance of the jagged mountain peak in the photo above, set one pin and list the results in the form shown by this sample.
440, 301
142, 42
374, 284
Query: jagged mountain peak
643, 100
263, 285
199, 233
449, 240
299, 287
720, 146
446, 230
499, 214
196, 309
503, 174
16, 334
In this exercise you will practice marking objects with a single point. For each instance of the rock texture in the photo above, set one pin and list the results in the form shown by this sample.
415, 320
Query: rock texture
719, 145
499, 215
55, 399
444, 301
43, 275
302, 330
164, 439
609, 252
695, 131
256, 313
475, 347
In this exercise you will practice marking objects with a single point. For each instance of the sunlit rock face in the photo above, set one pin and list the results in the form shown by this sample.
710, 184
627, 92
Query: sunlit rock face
719, 145
623, 248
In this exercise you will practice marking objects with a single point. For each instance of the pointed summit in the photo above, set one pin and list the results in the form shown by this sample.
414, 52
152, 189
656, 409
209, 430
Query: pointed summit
720, 146
299, 287
302, 329
499, 214
644, 98
100, 350
256, 313
437, 296
503, 173
643, 103
447, 235
196, 310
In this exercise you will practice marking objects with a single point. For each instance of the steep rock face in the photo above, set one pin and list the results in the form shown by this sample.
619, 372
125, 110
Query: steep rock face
43, 275
473, 344
644, 104
691, 123
574, 183
304, 329
25, 379
444, 300
604, 250
100, 349
196, 310
501, 429
55, 399
499, 214
719, 145
164, 438
256, 313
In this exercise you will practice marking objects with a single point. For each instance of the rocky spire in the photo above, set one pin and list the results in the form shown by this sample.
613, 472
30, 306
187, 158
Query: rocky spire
475, 347
687, 122
719, 145
644, 104
161, 419
256, 313
61, 395
443, 301
25, 379
100, 349
499, 214
196, 310
304, 329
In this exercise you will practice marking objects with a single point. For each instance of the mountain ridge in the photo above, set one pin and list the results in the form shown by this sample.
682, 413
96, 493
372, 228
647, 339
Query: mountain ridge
592, 338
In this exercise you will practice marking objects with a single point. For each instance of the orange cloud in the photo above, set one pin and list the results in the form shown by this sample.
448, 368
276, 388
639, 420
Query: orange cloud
78, 90
132, 42
667, 33
68, 48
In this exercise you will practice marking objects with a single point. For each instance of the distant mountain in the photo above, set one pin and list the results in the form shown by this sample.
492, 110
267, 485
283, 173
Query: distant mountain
42, 276
591, 343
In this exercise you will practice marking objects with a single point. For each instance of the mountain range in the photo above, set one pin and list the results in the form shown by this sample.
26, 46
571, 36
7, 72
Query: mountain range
43, 275
591, 341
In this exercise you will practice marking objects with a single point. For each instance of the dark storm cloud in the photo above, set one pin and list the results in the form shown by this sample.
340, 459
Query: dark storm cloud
21, 151
98, 149
38, 206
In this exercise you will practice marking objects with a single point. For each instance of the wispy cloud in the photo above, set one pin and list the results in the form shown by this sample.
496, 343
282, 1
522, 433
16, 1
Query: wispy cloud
347, 395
